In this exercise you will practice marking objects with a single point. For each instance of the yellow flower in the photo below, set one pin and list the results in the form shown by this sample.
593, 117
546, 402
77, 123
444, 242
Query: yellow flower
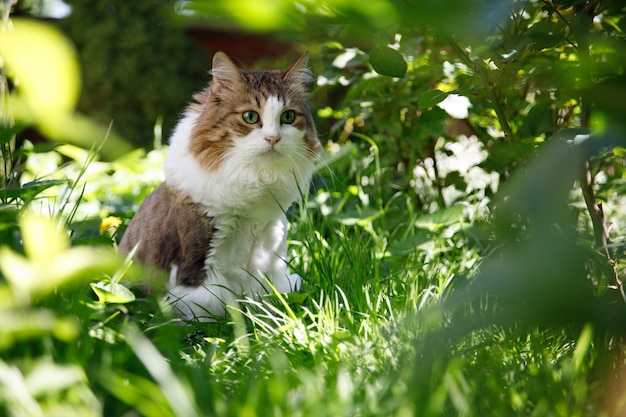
109, 225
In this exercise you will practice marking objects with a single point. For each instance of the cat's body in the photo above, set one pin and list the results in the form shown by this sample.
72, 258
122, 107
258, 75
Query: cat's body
238, 158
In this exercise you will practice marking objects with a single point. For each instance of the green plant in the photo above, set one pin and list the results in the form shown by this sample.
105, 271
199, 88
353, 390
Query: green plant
139, 67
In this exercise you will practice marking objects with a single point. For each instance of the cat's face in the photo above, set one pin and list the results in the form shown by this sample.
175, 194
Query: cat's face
255, 119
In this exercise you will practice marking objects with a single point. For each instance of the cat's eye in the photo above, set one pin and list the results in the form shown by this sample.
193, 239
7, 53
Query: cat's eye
288, 117
250, 116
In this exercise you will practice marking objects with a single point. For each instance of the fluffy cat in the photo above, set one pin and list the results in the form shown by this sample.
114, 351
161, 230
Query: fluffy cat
241, 154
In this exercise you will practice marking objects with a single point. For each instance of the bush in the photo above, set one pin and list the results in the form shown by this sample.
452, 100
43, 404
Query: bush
138, 67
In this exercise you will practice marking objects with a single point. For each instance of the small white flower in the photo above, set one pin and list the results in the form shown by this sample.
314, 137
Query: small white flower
456, 106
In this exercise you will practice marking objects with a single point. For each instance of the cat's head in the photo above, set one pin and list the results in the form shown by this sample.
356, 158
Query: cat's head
254, 118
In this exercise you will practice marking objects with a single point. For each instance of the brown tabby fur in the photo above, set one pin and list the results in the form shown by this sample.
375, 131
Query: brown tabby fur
183, 232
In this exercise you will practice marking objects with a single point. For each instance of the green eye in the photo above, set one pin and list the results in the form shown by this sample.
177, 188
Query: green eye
288, 117
250, 117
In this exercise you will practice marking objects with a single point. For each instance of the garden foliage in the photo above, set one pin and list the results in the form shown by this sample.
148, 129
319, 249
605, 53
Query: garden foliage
461, 244
138, 67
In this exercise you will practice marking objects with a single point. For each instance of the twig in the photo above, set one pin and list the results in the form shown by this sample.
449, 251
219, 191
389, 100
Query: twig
600, 231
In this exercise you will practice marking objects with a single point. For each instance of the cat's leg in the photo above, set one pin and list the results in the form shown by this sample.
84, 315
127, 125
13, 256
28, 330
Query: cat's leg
202, 302
269, 257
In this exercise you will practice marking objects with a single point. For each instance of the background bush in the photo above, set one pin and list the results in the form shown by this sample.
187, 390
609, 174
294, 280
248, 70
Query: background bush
139, 69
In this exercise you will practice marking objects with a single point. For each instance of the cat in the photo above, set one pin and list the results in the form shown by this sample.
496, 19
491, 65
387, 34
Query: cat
241, 154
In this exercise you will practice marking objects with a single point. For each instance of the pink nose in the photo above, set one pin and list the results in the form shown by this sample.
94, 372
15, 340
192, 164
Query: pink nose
272, 140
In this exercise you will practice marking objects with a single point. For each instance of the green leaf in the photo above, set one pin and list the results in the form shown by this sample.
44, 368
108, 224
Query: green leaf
45, 63
583, 344
50, 378
440, 218
360, 217
543, 40
7, 133
30, 190
43, 241
431, 98
112, 292
23, 324
411, 244
178, 396
49, 260
388, 61
145, 395
128, 262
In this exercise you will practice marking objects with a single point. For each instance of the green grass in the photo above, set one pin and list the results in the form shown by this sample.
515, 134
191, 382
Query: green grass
377, 329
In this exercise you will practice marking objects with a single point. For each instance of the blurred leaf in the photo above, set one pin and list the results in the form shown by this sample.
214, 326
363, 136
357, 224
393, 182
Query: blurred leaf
360, 217
17, 325
29, 191
608, 95
13, 391
583, 344
47, 378
543, 40
542, 193
538, 121
540, 280
387, 61
46, 389
440, 218
42, 239
112, 292
50, 261
44, 66
431, 98
179, 397
7, 133
415, 242
296, 298
141, 393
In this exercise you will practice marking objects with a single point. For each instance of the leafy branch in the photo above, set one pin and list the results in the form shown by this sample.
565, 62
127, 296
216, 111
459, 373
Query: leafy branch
491, 92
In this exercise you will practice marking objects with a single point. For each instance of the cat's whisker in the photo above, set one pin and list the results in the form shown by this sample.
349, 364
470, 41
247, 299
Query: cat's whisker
297, 166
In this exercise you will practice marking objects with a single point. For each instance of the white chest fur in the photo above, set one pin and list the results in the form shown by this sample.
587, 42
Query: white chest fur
247, 253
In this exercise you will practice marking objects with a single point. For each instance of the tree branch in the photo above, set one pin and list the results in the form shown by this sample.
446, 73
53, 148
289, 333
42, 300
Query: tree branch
600, 230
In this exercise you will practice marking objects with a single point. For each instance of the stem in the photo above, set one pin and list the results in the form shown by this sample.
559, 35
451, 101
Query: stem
596, 213
6, 116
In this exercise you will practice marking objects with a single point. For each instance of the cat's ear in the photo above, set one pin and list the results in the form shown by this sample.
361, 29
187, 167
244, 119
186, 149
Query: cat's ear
298, 71
299, 75
224, 70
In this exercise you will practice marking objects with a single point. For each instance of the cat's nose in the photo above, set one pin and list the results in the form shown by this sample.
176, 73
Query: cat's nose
272, 140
